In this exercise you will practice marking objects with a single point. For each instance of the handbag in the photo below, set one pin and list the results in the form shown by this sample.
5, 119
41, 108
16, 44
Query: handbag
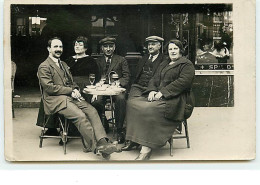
190, 103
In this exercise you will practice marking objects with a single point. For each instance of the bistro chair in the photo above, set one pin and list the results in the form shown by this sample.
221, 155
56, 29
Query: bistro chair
186, 136
63, 125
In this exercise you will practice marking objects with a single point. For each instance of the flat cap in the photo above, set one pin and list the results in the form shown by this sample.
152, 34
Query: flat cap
154, 39
107, 40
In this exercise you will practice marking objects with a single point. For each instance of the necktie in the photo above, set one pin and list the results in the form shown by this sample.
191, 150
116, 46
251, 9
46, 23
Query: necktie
150, 63
108, 64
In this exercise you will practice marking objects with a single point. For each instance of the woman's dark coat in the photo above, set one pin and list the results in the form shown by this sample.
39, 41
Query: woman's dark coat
175, 84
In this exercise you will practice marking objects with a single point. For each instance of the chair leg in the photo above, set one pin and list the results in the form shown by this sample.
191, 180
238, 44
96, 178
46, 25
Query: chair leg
65, 135
13, 111
41, 138
171, 146
13, 105
186, 133
113, 116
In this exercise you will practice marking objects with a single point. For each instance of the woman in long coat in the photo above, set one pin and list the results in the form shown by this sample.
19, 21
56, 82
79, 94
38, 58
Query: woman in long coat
153, 117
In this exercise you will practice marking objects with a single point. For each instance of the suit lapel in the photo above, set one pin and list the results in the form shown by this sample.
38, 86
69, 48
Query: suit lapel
113, 64
59, 71
144, 59
67, 70
102, 64
157, 62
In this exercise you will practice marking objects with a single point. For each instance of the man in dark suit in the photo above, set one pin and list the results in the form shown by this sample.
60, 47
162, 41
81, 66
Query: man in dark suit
146, 69
61, 95
111, 63
147, 66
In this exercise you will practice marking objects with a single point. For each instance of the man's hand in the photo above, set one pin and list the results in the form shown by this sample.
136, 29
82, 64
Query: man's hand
151, 96
75, 94
158, 96
94, 98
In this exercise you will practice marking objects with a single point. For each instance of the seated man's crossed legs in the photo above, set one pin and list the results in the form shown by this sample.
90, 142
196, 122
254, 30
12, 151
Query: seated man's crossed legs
87, 121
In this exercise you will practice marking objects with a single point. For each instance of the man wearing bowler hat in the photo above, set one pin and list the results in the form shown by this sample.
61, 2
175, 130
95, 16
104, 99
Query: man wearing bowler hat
146, 68
111, 63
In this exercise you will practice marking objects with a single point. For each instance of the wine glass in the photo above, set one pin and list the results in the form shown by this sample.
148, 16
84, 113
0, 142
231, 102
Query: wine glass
92, 79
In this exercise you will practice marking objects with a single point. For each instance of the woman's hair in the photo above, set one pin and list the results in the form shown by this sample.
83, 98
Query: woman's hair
177, 43
81, 39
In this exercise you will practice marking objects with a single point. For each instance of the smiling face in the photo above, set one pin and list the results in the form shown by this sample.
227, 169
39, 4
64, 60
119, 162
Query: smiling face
79, 48
108, 49
56, 48
154, 47
174, 51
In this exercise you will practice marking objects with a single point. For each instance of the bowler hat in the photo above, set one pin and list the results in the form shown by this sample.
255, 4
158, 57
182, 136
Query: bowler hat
107, 40
154, 39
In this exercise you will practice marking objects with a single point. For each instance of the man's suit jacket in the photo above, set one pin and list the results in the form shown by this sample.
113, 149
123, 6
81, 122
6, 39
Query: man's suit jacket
55, 92
119, 65
142, 61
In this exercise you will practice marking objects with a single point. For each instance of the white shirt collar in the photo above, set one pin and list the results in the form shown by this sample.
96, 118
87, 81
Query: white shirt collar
107, 57
55, 60
154, 56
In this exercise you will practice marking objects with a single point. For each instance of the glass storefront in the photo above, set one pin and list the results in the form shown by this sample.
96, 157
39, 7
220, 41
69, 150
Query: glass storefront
206, 31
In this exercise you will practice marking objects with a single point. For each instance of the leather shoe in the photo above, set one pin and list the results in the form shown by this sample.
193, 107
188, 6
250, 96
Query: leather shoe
121, 138
130, 146
144, 156
107, 149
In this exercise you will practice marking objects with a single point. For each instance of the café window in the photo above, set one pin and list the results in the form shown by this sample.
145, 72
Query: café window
102, 26
214, 41
20, 27
36, 25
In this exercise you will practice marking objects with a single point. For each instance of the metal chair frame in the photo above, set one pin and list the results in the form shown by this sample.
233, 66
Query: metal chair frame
112, 119
64, 128
185, 124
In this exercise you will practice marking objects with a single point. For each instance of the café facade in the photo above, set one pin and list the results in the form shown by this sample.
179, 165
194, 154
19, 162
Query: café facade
197, 25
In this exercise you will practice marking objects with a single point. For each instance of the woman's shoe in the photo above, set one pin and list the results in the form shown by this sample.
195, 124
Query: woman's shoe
130, 146
144, 156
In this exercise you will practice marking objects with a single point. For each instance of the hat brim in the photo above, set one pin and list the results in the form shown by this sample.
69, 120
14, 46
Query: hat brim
153, 40
108, 42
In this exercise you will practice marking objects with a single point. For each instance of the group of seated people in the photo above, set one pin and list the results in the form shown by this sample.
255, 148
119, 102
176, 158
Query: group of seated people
155, 105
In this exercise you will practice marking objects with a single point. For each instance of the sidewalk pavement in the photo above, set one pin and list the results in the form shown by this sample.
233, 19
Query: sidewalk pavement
215, 134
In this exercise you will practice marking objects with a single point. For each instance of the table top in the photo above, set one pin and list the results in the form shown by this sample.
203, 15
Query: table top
105, 90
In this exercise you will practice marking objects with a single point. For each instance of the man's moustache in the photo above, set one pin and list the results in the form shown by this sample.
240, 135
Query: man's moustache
58, 52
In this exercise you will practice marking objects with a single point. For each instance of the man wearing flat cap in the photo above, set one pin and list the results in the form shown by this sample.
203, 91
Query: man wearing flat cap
146, 68
111, 63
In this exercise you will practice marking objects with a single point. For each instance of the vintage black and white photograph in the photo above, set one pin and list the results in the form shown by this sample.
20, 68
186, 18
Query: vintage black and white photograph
142, 82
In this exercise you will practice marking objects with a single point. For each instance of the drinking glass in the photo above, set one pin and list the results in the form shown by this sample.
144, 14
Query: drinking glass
92, 79
114, 78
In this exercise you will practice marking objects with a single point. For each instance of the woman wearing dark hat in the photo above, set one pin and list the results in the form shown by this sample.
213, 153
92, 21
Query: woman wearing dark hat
153, 117
81, 64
